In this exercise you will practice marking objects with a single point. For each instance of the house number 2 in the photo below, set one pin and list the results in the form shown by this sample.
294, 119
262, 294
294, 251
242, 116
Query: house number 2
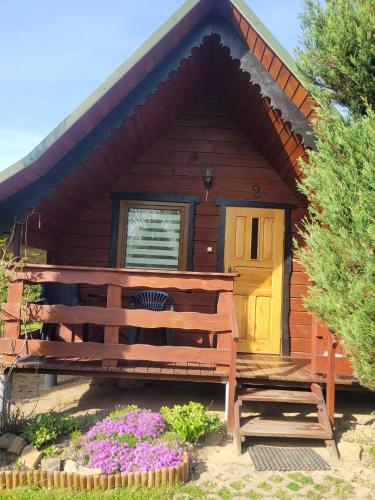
255, 190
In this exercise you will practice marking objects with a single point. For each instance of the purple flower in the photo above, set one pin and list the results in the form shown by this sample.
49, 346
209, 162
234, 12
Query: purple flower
140, 423
114, 456
123, 444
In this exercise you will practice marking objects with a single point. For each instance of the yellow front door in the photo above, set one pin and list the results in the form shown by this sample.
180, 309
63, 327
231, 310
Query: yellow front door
254, 243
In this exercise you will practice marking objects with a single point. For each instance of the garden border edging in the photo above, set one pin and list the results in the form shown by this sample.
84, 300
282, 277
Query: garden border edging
75, 481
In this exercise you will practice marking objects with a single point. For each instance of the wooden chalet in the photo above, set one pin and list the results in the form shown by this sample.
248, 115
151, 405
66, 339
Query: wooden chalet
178, 173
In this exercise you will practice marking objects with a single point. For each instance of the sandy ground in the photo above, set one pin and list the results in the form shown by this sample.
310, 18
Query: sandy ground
218, 470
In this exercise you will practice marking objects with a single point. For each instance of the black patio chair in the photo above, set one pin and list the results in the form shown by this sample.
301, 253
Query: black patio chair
59, 293
152, 300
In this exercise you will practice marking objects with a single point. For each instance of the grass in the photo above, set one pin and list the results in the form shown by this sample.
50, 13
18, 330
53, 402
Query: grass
282, 495
300, 478
342, 488
237, 485
253, 495
247, 478
141, 493
293, 486
224, 493
322, 488
276, 478
265, 486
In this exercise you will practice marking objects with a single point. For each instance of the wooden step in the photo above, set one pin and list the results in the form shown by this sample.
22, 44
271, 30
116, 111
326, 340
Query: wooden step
285, 429
277, 396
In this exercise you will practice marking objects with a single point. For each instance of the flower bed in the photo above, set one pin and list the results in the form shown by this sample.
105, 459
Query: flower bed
130, 440
130, 447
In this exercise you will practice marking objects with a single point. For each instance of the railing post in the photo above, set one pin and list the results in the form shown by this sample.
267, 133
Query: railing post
226, 340
12, 326
112, 333
314, 339
331, 377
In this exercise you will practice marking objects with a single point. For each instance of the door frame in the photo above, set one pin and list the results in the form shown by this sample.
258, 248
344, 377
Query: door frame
287, 207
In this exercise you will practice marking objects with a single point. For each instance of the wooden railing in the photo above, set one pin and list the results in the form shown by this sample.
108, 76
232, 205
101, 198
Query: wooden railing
113, 317
324, 361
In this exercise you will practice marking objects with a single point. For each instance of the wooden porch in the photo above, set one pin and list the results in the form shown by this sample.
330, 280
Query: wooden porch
262, 369
112, 356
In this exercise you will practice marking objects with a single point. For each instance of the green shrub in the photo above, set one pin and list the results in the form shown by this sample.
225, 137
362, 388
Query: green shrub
46, 427
50, 452
75, 438
336, 60
126, 438
122, 410
191, 421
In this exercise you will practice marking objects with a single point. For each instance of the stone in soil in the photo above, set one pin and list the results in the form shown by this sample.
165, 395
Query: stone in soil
51, 464
30, 456
350, 451
71, 466
86, 471
6, 439
17, 445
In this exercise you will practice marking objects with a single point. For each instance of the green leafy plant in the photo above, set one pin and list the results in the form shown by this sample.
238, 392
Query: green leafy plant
46, 427
122, 410
50, 452
18, 464
191, 421
127, 438
75, 438
293, 486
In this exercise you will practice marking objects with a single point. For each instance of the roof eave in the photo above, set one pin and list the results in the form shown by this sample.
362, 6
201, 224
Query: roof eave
73, 119
98, 93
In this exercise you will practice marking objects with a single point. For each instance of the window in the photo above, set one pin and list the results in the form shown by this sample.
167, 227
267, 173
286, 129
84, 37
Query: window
153, 235
254, 238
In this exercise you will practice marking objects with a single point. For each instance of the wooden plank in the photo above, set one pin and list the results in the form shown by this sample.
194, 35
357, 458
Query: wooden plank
323, 417
286, 429
252, 366
278, 396
226, 305
132, 369
126, 278
12, 325
224, 341
331, 378
122, 317
111, 333
141, 352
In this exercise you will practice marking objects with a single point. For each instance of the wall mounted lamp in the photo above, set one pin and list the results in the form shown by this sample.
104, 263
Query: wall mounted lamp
208, 178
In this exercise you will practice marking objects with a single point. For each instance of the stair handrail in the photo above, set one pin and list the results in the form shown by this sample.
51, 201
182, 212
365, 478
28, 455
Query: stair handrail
332, 341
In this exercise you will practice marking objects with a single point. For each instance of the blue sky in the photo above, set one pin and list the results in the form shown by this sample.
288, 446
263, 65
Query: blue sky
54, 54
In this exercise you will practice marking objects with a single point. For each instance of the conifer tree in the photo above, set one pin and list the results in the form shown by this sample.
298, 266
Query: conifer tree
337, 62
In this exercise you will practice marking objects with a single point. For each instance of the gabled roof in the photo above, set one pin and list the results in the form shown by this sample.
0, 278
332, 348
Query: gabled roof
259, 54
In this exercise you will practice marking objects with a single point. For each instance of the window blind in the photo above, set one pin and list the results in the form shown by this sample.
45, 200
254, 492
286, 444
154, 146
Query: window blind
153, 238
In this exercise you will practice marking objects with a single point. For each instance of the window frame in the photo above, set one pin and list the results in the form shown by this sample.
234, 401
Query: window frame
183, 208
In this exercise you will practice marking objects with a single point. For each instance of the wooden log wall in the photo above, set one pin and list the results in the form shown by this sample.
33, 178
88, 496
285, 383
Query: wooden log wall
174, 165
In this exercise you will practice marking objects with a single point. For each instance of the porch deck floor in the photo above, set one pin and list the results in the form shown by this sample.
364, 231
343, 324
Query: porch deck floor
256, 368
